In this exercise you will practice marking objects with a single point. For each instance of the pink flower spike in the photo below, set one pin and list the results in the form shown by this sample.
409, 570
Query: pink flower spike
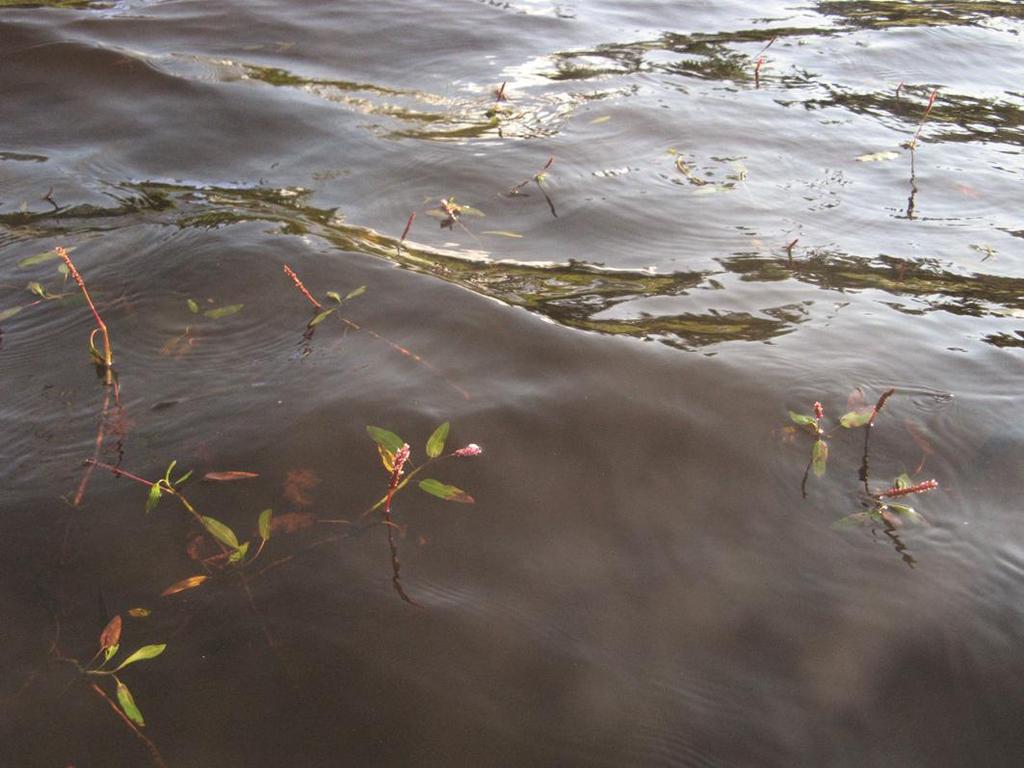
401, 456
470, 450
819, 412
927, 485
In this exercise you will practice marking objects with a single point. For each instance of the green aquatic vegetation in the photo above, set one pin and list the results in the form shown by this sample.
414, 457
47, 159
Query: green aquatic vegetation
95, 671
879, 507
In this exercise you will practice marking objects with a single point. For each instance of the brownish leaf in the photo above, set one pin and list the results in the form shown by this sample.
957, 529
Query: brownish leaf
180, 586
229, 475
290, 522
194, 547
297, 483
855, 400
915, 434
111, 634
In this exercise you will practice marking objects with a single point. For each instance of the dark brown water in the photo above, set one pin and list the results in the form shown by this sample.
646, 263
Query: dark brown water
641, 580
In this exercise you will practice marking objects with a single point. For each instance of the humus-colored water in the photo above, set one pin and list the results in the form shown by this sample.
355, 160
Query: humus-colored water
733, 227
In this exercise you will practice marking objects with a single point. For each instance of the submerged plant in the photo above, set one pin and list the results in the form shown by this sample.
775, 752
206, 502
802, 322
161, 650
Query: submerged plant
104, 360
94, 671
879, 507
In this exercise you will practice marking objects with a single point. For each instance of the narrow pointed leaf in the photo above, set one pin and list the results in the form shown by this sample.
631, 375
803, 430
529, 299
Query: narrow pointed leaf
219, 312
239, 554
37, 289
230, 476
40, 258
180, 586
192, 306
139, 613
264, 523
154, 497
11, 312
334, 295
819, 457
435, 445
181, 480
445, 491
124, 698
144, 653
220, 532
856, 418
800, 418
110, 652
357, 292
111, 634
389, 440
387, 458
320, 318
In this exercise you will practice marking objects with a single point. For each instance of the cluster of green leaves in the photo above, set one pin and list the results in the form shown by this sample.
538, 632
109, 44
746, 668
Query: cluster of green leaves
388, 444
859, 417
338, 299
110, 643
165, 484
884, 512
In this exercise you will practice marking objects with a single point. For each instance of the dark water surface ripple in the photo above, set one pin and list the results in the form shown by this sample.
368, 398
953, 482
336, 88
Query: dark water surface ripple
647, 576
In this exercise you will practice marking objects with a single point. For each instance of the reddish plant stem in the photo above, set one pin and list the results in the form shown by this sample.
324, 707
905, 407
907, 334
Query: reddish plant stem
302, 289
118, 472
108, 356
154, 753
80, 493
396, 475
499, 95
408, 226
931, 101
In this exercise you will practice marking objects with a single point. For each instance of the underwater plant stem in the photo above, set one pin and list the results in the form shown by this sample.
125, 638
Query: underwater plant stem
154, 753
118, 472
108, 356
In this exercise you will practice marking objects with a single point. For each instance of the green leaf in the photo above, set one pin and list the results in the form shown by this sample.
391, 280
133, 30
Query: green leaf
799, 418
154, 497
219, 312
264, 523
192, 306
239, 554
389, 441
40, 258
9, 313
819, 457
220, 532
334, 295
320, 318
357, 292
144, 653
903, 481
62, 270
181, 480
37, 289
109, 652
167, 474
857, 418
435, 445
444, 491
124, 698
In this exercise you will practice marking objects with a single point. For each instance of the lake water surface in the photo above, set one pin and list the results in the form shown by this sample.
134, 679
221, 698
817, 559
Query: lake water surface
732, 226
